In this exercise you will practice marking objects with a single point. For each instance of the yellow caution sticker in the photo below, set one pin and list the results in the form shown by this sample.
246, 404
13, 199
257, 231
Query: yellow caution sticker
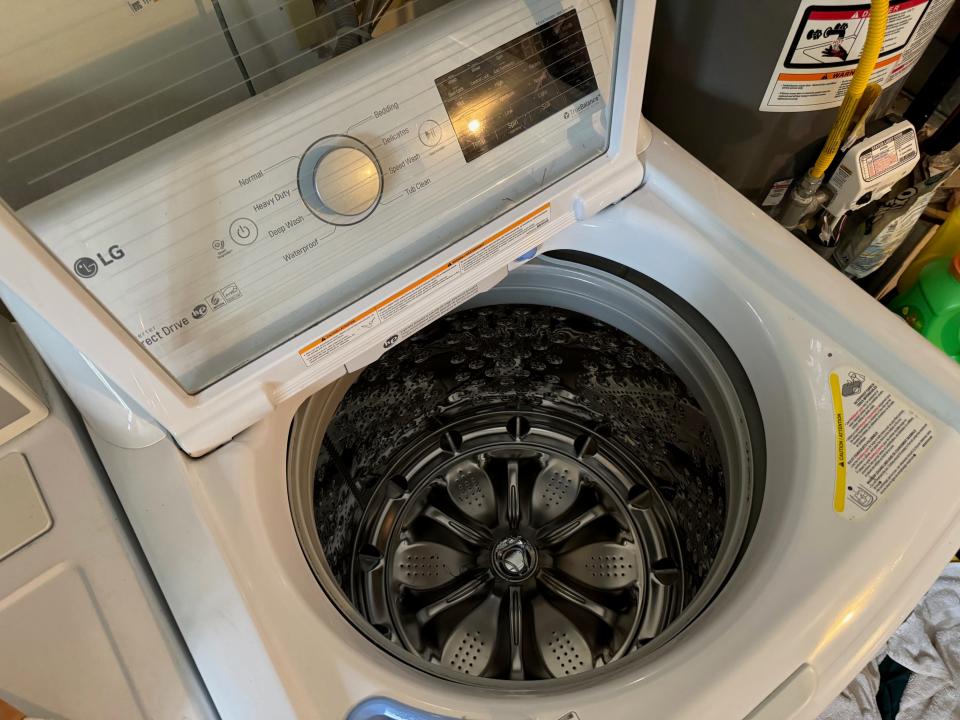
879, 438
840, 486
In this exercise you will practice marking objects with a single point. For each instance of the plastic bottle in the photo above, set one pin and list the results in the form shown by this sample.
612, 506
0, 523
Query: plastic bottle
932, 305
944, 244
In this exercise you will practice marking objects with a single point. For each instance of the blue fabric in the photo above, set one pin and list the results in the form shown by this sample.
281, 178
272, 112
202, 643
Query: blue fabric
384, 709
893, 681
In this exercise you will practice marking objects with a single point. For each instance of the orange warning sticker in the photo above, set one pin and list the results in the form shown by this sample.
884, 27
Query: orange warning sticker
823, 46
838, 75
502, 246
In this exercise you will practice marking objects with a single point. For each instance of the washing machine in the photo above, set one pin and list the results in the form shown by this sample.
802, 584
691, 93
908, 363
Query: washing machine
436, 383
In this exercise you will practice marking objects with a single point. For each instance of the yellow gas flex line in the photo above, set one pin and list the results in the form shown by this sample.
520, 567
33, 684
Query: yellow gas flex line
876, 30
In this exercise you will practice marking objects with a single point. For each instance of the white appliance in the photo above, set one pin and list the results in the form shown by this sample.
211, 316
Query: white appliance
85, 633
436, 384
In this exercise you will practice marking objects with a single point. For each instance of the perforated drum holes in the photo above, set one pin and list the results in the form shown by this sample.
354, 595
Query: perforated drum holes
541, 509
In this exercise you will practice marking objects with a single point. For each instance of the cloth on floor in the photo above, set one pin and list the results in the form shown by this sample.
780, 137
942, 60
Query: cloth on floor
858, 701
928, 645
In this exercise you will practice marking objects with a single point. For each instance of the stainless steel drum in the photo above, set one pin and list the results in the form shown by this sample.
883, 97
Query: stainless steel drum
561, 476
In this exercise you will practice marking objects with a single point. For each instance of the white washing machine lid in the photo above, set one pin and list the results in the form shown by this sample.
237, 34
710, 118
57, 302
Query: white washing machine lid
217, 272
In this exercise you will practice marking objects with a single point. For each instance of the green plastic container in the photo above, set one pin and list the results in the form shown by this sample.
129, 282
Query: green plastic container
944, 244
932, 305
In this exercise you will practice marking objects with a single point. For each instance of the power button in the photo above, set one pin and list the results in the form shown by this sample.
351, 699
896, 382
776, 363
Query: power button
243, 231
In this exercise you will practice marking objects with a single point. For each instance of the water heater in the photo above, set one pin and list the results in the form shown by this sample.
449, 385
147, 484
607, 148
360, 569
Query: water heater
751, 89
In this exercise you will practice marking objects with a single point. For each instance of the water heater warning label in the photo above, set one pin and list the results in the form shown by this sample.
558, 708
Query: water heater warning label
878, 438
821, 51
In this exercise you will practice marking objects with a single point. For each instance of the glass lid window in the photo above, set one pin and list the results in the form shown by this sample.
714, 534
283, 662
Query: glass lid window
223, 175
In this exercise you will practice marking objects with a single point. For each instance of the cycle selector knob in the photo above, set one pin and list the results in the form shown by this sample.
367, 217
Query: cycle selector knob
340, 180
348, 181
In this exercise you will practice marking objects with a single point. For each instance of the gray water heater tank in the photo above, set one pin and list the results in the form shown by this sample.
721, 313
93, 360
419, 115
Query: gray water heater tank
710, 64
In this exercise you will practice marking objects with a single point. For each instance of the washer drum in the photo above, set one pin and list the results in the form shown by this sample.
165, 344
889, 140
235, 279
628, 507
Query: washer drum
558, 477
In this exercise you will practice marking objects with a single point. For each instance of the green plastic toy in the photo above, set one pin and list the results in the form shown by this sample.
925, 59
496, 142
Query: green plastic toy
932, 305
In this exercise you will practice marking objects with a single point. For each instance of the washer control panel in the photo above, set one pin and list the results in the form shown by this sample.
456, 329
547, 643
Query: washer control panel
222, 242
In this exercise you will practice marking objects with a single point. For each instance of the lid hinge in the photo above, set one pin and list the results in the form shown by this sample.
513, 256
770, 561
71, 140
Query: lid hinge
609, 188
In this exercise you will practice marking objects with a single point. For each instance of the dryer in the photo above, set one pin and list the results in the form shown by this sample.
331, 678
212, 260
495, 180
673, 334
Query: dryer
436, 383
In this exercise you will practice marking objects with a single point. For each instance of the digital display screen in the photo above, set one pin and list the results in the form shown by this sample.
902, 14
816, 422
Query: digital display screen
517, 85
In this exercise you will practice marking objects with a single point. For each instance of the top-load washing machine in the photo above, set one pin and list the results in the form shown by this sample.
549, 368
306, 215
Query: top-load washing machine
435, 383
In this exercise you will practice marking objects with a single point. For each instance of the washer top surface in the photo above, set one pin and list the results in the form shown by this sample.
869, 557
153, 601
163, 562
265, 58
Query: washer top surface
847, 580
281, 239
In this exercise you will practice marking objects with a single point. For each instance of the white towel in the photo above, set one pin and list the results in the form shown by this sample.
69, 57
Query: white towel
928, 644
859, 700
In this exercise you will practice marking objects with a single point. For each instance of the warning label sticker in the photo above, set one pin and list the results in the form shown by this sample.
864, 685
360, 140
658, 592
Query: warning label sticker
878, 438
503, 246
821, 51
888, 155
776, 193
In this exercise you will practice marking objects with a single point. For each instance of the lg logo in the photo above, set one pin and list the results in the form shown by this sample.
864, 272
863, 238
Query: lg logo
87, 267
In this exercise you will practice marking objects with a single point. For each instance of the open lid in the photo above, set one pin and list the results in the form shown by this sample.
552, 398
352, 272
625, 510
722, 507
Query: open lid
221, 204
